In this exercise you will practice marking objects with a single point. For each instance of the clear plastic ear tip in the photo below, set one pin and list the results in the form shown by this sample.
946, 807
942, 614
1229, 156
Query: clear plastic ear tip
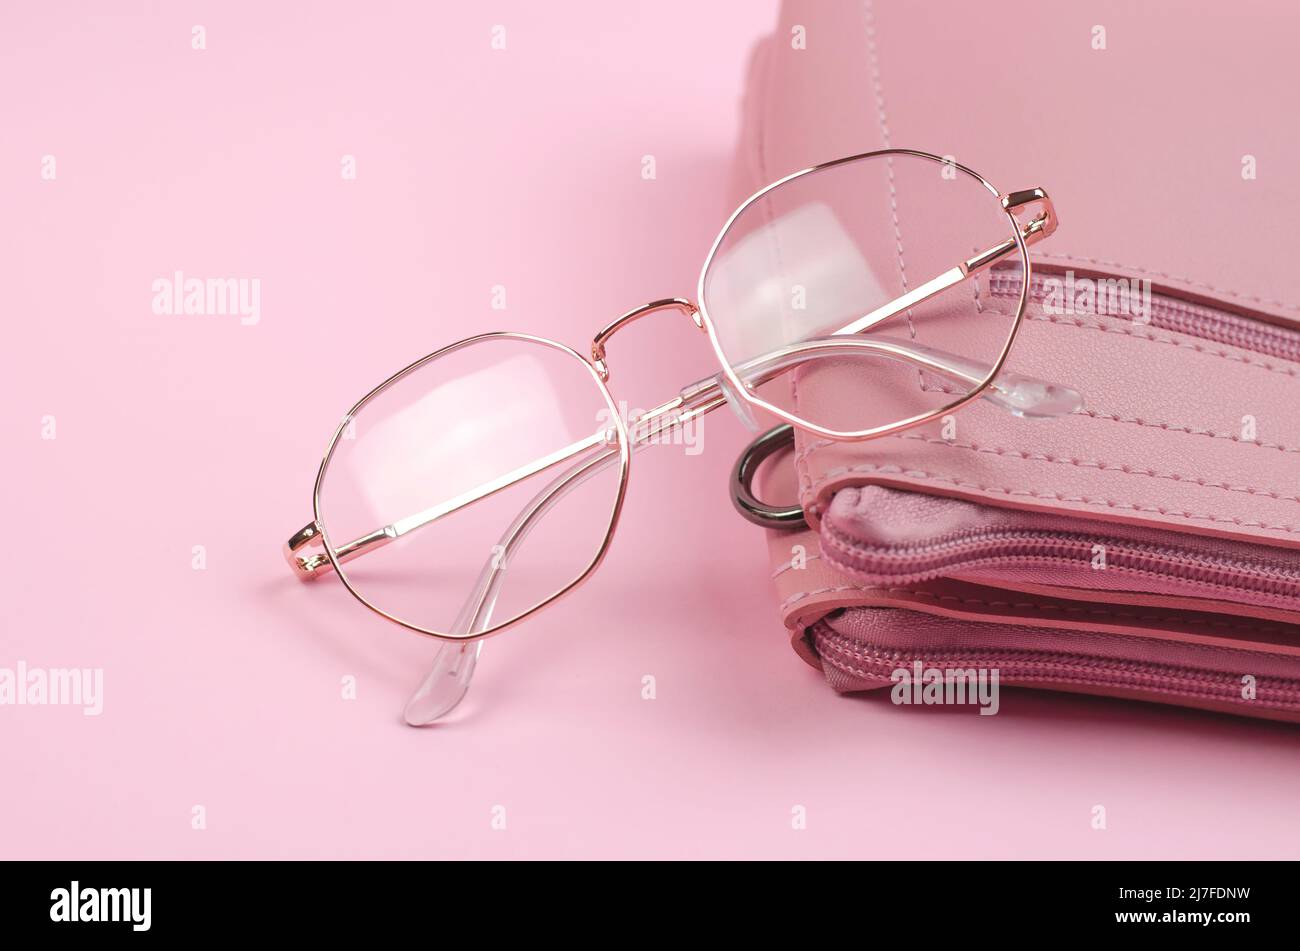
1033, 399
739, 405
445, 686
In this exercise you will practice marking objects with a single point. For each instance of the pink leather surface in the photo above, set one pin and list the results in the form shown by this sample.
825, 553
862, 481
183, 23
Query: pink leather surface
1159, 442
1139, 144
1141, 147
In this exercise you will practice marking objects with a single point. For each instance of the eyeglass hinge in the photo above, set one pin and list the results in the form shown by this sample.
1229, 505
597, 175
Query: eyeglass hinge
305, 567
1041, 225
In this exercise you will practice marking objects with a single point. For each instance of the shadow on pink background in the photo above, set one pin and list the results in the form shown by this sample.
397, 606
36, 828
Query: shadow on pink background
519, 167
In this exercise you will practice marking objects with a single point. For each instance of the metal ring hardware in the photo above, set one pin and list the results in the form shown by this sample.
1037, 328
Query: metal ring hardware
742, 478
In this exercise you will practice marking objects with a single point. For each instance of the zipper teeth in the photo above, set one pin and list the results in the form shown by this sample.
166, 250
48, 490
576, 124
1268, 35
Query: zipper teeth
989, 550
1056, 666
932, 559
1169, 313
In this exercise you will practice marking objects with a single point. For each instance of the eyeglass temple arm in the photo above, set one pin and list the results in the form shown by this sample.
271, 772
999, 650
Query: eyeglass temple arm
308, 566
452, 671
645, 428
1041, 226
1022, 395
707, 394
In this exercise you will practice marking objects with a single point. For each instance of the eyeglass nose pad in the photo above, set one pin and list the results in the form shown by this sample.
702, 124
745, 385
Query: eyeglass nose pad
739, 405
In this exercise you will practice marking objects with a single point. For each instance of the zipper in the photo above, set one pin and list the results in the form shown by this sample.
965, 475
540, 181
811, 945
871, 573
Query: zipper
1009, 548
1026, 667
1055, 657
1013, 548
1166, 312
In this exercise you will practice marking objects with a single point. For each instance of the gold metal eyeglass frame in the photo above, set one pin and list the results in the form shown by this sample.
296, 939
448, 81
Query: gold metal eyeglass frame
597, 451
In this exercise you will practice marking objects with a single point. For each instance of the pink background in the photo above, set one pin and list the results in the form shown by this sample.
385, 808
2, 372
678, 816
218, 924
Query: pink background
475, 167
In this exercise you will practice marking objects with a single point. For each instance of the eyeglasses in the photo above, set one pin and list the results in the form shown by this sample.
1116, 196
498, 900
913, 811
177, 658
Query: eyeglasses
852, 300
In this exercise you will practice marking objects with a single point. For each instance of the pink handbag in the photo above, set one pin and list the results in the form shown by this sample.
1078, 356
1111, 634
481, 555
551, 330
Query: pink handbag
1148, 545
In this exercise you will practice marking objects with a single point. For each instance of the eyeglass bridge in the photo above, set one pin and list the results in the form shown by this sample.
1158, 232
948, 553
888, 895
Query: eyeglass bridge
668, 303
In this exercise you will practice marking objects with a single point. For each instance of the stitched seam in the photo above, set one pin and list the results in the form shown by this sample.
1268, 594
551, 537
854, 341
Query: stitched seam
774, 241
789, 565
1087, 325
795, 598
1190, 430
761, 119
1083, 324
841, 543
1272, 568
1048, 607
1009, 289
1173, 277
1194, 689
869, 22
826, 638
1096, 464
811, 491
1040, 660
812, 447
